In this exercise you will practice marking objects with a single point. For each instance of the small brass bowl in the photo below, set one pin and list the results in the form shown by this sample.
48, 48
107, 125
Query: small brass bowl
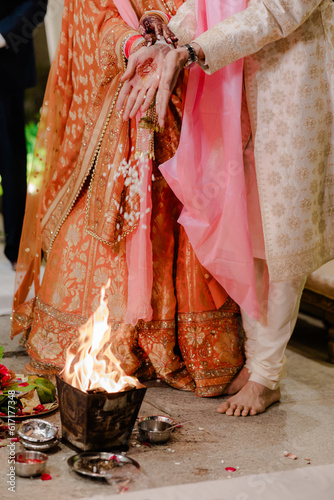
155, 429
24, 469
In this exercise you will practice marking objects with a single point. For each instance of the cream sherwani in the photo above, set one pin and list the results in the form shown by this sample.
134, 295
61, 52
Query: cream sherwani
288, 46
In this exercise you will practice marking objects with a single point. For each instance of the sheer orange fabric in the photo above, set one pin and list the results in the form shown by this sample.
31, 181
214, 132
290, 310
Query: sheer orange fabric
75, 215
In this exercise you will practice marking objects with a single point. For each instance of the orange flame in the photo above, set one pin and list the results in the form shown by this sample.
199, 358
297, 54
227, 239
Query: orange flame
93, 365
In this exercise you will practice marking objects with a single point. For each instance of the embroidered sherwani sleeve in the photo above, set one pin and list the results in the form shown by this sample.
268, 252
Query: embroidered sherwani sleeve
183, 24
261, 23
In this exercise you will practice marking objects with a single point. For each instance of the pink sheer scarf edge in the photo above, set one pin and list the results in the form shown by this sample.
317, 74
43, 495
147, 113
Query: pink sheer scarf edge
242, 289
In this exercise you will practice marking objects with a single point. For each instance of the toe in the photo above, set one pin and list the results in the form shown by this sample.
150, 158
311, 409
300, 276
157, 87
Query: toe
245, 411
238, 411
223, 407
255, 411
231, 409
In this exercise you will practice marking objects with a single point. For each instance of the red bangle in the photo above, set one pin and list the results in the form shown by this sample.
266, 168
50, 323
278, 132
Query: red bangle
129, 43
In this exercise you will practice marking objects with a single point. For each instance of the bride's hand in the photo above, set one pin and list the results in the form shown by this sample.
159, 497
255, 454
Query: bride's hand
141, 79
153, 28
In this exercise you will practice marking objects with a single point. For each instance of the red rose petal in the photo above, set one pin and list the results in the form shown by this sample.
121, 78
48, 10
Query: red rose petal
38, 408
290, 455
24, 384
15, 440
230, 469
45, 477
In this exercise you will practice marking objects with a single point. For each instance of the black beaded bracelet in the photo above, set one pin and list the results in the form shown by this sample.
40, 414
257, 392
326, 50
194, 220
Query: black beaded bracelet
192, 56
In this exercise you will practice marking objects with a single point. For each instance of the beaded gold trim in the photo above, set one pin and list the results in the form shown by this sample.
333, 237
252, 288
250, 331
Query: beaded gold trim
201, 317
89, 170
92, 169
166, 7
156, 325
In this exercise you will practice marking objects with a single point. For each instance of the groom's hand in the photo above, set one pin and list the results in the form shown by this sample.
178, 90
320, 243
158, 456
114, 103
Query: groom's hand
174, 63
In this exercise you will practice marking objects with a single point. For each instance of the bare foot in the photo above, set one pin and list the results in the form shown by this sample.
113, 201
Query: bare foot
252, 399
238, 382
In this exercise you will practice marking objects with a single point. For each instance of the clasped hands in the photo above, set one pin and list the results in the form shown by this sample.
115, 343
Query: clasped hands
151, 70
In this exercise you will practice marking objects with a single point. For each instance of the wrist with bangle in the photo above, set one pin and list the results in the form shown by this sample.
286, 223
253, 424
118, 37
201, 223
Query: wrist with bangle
132, 43
163, 16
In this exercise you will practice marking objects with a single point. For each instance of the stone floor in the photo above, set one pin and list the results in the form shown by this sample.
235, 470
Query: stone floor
198, 453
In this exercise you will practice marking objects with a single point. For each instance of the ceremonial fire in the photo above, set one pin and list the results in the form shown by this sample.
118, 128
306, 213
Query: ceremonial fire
93, 366
98, 402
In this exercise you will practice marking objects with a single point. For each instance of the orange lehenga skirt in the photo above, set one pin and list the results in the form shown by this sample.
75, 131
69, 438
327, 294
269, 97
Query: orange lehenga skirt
188, 343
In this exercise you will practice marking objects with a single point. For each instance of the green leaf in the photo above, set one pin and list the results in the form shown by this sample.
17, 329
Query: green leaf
1, 352
4, 404
3, 399
27, 388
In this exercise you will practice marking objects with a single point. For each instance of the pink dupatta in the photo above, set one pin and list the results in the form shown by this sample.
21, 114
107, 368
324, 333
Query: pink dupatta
127, 13
207, 172
138, 244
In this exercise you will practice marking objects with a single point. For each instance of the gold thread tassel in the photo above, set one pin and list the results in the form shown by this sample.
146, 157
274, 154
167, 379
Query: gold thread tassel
148, 124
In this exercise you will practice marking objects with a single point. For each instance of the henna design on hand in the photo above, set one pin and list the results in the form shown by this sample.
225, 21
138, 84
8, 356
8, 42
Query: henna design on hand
147, 67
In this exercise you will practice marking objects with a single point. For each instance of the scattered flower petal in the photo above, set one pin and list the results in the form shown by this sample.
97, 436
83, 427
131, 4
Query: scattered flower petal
38, 409
45, 477
15, 440
290, 455
24, 384
230, 469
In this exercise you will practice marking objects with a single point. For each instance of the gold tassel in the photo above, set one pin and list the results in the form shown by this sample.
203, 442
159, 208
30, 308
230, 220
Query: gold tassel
148, 124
